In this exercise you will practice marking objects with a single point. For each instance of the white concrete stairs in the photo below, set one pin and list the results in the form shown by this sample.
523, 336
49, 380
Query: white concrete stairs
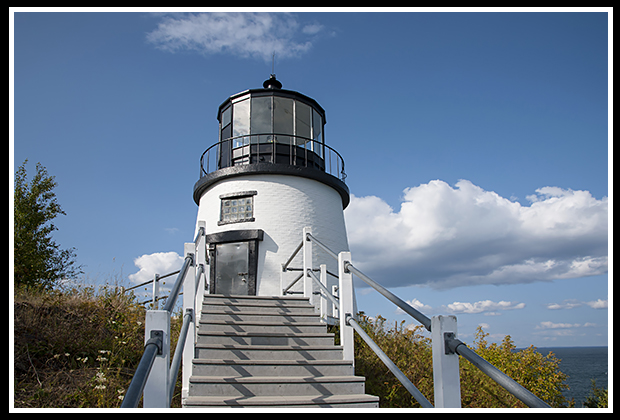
262, 351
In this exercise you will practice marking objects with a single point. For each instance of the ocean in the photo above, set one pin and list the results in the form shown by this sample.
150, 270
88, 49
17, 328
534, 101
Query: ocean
581, 364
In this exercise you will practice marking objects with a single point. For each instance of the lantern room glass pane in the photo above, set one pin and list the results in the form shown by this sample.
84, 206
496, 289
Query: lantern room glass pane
317, 126
241, 118
226, 117
260, 118
282, 118
303, 118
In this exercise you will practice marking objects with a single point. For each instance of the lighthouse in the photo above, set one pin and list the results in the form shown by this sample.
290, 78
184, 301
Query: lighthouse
270, 174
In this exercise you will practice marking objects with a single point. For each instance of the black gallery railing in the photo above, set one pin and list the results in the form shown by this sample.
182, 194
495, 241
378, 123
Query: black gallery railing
272, 148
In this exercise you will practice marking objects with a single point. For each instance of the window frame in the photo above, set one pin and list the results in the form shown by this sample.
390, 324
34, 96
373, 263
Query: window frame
237, 196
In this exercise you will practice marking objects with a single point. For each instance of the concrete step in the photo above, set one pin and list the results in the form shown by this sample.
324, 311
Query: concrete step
268, 300
275, 385
260, 309
262, 326
245, 352
227, 368
259, 306
242, 298
207, 314
265, 338
322, 401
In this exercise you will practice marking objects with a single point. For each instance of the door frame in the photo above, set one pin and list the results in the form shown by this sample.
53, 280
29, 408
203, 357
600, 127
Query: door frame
252, 236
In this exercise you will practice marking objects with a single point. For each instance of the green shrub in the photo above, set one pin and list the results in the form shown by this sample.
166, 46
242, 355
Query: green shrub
598, 397
412, 353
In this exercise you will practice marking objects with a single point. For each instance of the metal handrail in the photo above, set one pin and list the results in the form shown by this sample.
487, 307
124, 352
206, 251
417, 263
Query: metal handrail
174, 293
326, 292
293, 148
509, 384
178, 351
452, 343
409, 386
417, 315
309, 237
293, 255
350, 320
285, 291
152, 348
151, 281
141, 375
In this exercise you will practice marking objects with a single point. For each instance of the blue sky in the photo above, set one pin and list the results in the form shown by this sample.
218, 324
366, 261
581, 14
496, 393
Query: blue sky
476, 146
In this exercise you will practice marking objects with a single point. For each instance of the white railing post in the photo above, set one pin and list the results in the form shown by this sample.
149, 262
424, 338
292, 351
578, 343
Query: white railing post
189, 301
345, 291
201, 259
307, 265
334, 310
155, 305
446, 376
156, 387
325, 304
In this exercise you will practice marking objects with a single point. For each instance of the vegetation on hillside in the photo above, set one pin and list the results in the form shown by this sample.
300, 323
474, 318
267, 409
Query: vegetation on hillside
77, 347
80, 347
411, 352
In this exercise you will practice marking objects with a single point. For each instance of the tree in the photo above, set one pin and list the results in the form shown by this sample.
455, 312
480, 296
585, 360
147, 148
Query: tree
38, 260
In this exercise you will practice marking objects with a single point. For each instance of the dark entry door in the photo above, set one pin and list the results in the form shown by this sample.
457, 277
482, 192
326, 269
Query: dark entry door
232, 268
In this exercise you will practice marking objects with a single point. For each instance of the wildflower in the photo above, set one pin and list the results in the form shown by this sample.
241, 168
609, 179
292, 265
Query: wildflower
100, 387
100, 377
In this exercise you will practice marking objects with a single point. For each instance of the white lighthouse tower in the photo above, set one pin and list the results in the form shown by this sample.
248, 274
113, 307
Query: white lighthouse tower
269, 175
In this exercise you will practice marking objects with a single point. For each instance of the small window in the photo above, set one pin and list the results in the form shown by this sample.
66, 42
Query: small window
237, 207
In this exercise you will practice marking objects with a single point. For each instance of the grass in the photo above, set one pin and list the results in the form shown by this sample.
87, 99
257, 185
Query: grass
77, 347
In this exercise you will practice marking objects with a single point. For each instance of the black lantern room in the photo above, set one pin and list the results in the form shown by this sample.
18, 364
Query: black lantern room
272, 130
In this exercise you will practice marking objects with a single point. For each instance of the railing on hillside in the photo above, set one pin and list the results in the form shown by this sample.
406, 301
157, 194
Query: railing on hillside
156, 376
154, 301
446, 348
272, 148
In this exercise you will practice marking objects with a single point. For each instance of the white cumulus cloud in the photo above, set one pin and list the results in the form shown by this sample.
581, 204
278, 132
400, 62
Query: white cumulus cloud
483, 306
457, 236
548, 325
487, 306
156, 263
574, 303
598, 304
240, 34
